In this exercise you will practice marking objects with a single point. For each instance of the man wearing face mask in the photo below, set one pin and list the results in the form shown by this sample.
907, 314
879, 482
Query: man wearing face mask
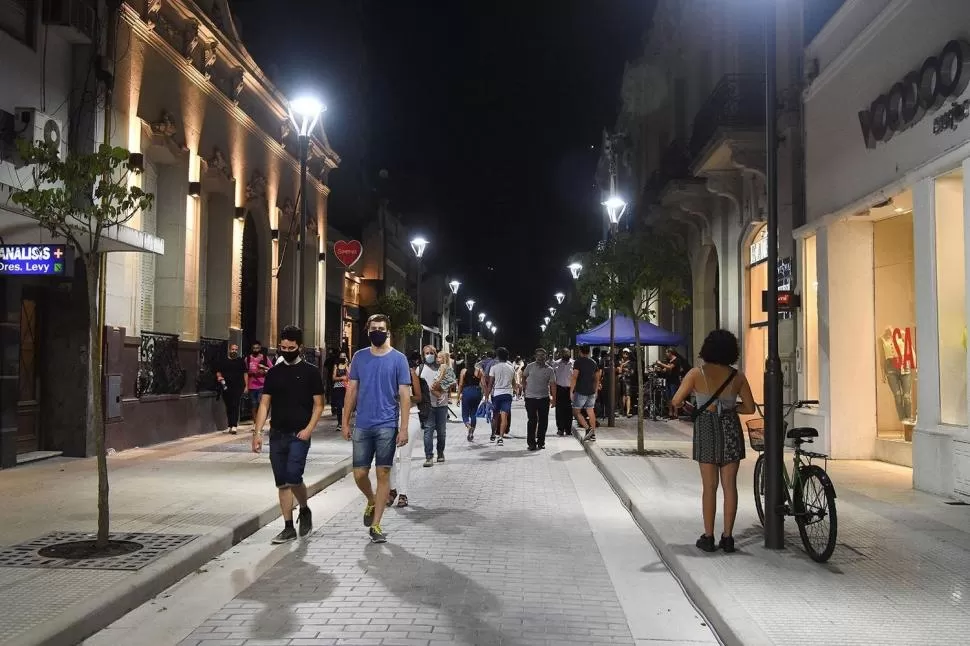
294, 391
257, 365
431, 373
563, 371
380, 380
233, 379
339, 378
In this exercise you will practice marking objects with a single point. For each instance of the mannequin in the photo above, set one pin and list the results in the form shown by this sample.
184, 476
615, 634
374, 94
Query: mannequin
897, 373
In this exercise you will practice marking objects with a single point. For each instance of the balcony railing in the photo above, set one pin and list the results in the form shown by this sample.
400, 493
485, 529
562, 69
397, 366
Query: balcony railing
737, 102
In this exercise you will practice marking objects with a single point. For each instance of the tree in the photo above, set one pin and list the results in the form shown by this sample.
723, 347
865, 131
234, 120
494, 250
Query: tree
399, 307
78, 199
630, 274
477, 346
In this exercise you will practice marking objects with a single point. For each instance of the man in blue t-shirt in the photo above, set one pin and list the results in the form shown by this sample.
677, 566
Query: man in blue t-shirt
381, 380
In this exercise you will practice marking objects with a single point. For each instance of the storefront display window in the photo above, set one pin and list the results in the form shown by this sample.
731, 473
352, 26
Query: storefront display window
951, 298
895, 322
756, 329
810, 309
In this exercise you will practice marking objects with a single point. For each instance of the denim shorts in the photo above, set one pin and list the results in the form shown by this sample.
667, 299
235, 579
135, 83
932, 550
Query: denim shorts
584, 401
287, 455
374, 445
502, 404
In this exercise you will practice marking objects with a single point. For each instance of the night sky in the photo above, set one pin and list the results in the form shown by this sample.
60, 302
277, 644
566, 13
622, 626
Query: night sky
487, 117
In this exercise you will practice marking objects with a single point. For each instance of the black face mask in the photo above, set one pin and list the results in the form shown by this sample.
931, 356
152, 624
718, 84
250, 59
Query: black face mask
290, 355
377, 337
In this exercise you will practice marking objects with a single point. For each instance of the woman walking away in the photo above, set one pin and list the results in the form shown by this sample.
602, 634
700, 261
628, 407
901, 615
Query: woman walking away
470, 391
401, 469
340, 377
718, 440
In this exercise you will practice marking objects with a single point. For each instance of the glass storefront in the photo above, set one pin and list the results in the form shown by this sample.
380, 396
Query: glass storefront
810, 367
951, 298
756, 321
895, 321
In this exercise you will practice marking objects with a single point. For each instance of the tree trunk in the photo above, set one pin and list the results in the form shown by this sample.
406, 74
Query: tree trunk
95, 413
640, 403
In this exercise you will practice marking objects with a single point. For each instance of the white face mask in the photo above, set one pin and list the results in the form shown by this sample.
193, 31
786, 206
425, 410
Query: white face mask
429, 359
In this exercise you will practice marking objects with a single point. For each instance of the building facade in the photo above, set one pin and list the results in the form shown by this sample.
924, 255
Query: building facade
884, 248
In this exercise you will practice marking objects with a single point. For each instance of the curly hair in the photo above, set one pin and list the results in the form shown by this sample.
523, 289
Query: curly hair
720, 347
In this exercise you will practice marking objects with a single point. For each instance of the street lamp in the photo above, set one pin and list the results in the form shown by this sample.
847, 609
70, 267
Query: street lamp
615, 208
470, 304
305, 114
488, 325
575, 269
560, 297
418, 245
454, 285
481, 316
547, 319
543, 327
552, 311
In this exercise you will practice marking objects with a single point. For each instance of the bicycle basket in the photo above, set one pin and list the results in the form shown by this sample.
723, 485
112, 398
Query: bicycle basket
756, 433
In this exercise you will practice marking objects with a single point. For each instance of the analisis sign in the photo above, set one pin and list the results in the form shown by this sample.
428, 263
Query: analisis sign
33, 260
921, 92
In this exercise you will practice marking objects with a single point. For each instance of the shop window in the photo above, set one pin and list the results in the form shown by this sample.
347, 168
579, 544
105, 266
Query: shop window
810, 309
895, 321
756, 330
951, 298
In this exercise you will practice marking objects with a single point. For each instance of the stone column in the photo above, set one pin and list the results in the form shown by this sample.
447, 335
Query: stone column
220, 250
171, 212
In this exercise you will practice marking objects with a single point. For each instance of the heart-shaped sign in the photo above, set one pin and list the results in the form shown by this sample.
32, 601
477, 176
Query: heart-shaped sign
348, 252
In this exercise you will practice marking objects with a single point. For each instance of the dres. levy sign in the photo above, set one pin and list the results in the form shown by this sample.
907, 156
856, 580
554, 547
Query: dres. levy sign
33, 260
921, 92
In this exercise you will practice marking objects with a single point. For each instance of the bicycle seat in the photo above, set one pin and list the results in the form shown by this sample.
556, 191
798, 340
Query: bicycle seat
801, 432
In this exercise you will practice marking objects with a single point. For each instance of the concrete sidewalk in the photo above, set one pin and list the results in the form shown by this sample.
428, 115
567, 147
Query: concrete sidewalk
900, 573
208, 492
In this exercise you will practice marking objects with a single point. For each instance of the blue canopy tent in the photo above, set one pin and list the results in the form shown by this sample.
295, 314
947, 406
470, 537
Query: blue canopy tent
650, 334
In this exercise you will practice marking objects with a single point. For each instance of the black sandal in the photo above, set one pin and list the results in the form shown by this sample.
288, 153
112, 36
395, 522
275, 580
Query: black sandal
402, 500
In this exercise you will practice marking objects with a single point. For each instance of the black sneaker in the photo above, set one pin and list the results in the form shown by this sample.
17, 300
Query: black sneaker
542, 446
368, 515
492, 438
471, 436
288, 534
441, 458
590, 435
706, 543
533, 448
727, 544
500, 441
306, 521
377, 535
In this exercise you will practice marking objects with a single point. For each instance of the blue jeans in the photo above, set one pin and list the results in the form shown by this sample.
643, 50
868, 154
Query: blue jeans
374, 445
254, 396
471, 397
287, 456
437, 421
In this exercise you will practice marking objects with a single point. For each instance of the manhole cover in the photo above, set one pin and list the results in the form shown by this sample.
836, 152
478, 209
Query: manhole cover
154, 546
649, 453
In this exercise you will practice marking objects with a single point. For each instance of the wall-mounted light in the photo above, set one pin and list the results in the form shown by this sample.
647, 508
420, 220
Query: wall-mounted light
274, 234
136, 162
195, 189
240, 213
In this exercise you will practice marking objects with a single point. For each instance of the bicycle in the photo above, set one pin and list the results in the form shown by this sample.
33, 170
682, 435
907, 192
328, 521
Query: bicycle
809, 492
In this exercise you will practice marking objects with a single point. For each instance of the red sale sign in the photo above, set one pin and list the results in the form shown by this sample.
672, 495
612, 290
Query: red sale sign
348, 252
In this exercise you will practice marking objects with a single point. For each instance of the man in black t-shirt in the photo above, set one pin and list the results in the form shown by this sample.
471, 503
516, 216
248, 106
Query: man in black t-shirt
233, 380
294, 392
582, 392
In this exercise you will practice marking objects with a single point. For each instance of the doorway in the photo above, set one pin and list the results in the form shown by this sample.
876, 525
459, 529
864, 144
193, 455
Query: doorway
249, 292
28, 399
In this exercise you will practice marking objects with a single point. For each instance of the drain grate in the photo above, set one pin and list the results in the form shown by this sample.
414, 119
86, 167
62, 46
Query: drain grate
649, 453
155, 546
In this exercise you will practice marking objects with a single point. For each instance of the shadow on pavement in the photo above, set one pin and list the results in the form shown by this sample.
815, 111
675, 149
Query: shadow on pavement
562, 456
422, 583
446, 520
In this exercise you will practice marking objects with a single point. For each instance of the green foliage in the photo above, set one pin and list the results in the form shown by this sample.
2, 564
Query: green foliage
477, 346
399, 307
631, 272
80, 196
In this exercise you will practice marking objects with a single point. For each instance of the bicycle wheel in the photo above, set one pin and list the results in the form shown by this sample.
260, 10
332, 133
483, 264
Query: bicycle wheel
815, 515
759, 487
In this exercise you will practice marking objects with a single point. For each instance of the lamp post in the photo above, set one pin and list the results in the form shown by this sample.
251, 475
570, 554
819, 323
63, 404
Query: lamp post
615, 207
560, 297
418, 245
543, 327
304, 113
774, 444
575, 269
453, 286
470, 304
546, 319
552, 311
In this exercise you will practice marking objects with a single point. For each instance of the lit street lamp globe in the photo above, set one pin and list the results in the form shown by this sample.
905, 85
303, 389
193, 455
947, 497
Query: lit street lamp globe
575, 269
543, 327
560, 297
481, 316
547, 319
418, 245
305, 111
454, 285
615, 207
470, 304
552, 311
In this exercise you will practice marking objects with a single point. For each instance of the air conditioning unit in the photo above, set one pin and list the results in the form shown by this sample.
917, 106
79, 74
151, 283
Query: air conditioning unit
76, 21
33, 125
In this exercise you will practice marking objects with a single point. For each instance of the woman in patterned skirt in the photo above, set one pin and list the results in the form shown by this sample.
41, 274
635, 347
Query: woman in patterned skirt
718, 440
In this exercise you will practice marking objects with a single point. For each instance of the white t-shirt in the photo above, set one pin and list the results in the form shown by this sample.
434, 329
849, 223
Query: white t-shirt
502, 374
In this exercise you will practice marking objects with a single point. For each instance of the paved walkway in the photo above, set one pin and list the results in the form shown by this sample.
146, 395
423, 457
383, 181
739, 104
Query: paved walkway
499, 546
211, 486
900, 573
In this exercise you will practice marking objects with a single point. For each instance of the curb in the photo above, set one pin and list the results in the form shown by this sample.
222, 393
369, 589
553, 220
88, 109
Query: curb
82, 620
636, 505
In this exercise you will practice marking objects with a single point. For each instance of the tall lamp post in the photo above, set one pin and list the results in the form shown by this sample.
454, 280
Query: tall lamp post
418, 245
575, 269
470, 304
481, 321
453, 286
615, 207
305, 114
560, 297
774, 444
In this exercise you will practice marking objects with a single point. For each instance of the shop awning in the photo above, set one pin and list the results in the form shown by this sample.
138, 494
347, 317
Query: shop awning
19, 228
